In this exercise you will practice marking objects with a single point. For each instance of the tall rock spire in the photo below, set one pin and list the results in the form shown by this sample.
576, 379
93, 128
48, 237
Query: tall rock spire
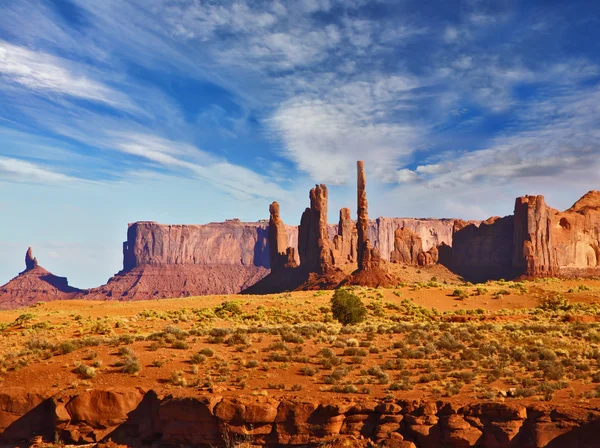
345, 240
368, 258
280, 255
313, 234
30, 261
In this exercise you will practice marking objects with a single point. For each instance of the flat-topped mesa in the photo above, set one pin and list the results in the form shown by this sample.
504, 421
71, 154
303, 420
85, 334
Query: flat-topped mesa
280, 255
368, 258
30, 261
534, 254
313, 234
345, 240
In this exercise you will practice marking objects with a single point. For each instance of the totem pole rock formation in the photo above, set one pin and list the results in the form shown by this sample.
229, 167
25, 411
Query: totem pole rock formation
313, 234
345, 240
534, 253
368, 258
30, 261
281, 256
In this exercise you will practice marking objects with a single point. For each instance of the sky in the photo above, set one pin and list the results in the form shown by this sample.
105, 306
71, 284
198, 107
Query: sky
195, 111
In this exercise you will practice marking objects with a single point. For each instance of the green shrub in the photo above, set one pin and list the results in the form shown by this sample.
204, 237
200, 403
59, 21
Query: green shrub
347, 308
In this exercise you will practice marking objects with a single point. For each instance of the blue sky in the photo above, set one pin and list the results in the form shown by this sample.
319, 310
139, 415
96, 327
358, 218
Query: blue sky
191, 111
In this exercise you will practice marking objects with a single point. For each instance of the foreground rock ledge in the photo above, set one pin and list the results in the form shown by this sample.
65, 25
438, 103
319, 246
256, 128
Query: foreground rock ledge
136, 417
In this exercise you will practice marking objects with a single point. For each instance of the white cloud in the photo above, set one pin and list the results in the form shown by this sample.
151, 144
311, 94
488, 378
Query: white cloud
45, 73
234, 179
325, 137
16, 170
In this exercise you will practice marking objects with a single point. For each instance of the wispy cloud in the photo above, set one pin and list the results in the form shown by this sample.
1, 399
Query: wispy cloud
15, 170
48, 74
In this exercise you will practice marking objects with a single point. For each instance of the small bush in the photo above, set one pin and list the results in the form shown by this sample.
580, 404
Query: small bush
347, 308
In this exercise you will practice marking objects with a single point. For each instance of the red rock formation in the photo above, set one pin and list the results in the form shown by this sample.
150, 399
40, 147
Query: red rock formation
576, 237
432, 232
280, 255
362, 223
313, 234
133, 417
174, 281
533, 252
345, 240
536, 241
483, 252
30, 261
35, 284
368, 258
428, 258
407, 247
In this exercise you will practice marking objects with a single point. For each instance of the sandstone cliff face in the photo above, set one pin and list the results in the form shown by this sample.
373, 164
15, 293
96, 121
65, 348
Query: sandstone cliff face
483, 252
134, 417
407, 247
576, 237
231, 243
431, 231
534, 253
536, 241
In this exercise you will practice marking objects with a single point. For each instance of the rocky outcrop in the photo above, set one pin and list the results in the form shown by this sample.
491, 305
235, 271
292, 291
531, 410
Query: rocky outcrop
367, 258
433, 232
35, 284
534, 253
134, 417
407, 247
346, 239
370, 270
576, 237
313, 234
30, 261
429, 258
280, 255
536, 241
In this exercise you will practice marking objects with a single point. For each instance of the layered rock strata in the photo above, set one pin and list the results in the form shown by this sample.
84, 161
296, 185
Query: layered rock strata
134, 417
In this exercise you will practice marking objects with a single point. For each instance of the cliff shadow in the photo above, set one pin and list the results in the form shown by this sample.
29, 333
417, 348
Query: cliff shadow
139, 429
584, 436
261, 248
38, 421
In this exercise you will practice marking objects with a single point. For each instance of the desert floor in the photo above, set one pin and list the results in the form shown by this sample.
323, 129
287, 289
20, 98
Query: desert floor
432, 336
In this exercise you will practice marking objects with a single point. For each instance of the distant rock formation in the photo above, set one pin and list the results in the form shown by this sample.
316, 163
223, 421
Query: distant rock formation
346, 240
366, 258
370, 272
30, 261
35, 284
534, 254
280, 255
428, 258
313, 234
536, 241
407, 247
